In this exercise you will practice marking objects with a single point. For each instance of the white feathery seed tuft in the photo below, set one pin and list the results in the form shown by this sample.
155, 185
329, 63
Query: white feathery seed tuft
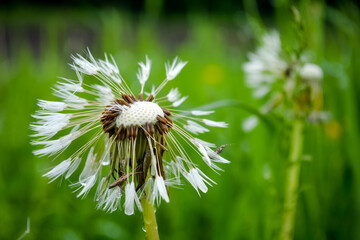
173, 95
52, 106
74, 165
179, 102
110, 200
197, 179
91, 167
130, 198
144, 71
215, 124
311, 72
197, 141
159, 189
104, 93
49, 124
195, 128
58, 170
201, 113
86, 185
250, 123
54, 146
174, 69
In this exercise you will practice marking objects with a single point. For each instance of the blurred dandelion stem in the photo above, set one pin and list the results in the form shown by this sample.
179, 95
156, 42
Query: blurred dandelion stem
292, 180
151, 227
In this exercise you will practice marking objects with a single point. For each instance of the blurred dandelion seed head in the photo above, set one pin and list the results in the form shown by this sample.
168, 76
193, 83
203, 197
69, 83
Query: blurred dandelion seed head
283, 82
134, 146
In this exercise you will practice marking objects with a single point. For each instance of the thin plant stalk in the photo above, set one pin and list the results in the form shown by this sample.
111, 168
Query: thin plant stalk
292, 180
151, 227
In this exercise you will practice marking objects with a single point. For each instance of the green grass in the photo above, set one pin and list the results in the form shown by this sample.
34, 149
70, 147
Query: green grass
244, 204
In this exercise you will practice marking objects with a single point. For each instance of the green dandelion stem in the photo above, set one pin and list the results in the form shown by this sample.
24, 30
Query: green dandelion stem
150, 223
292, 180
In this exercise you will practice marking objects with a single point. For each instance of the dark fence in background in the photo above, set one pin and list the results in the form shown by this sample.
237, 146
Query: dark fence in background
164, 7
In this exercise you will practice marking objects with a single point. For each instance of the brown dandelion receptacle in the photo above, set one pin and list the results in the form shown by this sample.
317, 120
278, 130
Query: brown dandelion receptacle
139, 132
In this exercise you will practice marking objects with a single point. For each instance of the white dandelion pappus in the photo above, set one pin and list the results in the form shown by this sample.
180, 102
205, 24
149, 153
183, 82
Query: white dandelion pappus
144, 73
52, 106
58, 170
200, 113
311, 72
139, 141
250, 123
175, 68
265, 66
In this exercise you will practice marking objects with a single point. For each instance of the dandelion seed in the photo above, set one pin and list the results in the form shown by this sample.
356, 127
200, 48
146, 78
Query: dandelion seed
200, 113
173, 95
144, 73
215, 124
58, 170
52, 106
179, 102
175, 68
195, 128
311, 72
137, 141
198, 179
250, 123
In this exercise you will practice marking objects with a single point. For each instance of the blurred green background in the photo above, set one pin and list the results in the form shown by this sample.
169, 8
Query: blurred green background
35, 47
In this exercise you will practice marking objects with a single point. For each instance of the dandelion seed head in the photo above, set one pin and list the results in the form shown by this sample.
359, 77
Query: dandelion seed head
277, 76
136, 140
